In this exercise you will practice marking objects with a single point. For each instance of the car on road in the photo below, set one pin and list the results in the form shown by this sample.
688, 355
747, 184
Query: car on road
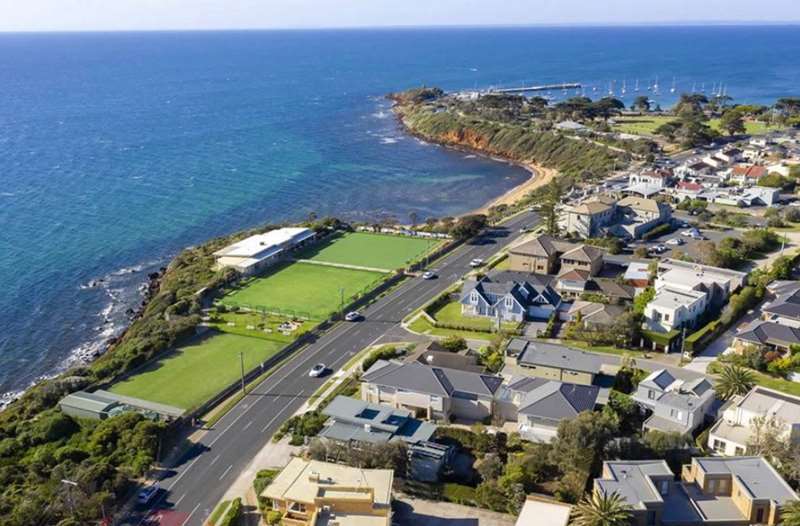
147, 494
353, 316
429, 274
658, 249
526, 229
475, 263
317, 371
675, 241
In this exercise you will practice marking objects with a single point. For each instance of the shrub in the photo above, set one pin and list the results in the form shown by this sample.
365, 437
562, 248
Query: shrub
382, 353
459, 494
454, 343
263, 479
273, 517
233, 514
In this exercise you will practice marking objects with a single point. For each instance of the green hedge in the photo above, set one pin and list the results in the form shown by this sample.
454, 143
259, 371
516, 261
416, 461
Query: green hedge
700, 338
459, 494
660, 230
660, 338
233, 514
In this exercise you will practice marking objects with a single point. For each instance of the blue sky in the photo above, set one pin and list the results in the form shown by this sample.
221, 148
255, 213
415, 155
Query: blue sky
34, 15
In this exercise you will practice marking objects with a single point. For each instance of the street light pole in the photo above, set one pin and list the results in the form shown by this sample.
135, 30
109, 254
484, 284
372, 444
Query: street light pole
241, 363
341, 302
70, 484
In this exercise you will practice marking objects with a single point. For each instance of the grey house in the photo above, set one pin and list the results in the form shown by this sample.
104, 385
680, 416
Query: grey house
512, 300
433, 393
555, 362
538, 405
356, 422
676, 405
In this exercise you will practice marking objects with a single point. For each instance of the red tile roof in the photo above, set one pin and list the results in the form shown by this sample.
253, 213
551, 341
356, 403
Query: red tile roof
752, 171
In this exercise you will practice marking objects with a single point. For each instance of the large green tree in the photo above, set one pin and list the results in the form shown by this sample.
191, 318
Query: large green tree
732, 121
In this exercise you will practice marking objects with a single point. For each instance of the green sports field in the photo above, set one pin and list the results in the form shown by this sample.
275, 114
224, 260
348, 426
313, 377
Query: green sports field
647, 125
194, 373
363, 249
304, 289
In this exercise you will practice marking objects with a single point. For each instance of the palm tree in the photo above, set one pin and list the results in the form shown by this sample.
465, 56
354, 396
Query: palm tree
602, 509
790, 515
734, 380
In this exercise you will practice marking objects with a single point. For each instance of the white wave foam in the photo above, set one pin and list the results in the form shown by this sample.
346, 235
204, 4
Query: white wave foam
381, 114
388, 140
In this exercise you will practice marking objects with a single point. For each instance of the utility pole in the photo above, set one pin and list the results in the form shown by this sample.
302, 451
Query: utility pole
341, 302
241, 363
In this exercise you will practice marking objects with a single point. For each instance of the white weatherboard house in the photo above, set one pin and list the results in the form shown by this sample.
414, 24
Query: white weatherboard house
732, 433
255, 253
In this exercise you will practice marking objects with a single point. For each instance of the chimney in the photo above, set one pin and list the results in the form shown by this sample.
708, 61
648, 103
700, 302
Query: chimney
313, 476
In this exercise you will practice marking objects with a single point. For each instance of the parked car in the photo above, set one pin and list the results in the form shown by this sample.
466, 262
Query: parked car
676, 241
429, 274
658, 249
353, 316
477, 262
147, 494
692, 233
317, 370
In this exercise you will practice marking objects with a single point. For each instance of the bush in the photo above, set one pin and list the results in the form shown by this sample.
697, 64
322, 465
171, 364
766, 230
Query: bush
658, 231
263, 479
301, 426
273, 517
383, 353
459, 494
233, 514
454, 343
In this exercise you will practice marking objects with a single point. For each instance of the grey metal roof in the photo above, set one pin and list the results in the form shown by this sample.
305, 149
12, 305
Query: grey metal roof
786, 304
755, 473
86, 401
431, 380
551, 355
659, 379
145, 405
102, 401
770, 333
366, 422
665, 425
558, 401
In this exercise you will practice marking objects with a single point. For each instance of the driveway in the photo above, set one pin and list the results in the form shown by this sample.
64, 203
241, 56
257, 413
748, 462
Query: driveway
709, 354
417, 512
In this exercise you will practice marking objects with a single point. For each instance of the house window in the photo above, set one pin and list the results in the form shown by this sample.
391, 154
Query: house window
664, 487
739, 451
666, 317
651, 518
473, 298
509, 302
718, 445
651, 394
760, 515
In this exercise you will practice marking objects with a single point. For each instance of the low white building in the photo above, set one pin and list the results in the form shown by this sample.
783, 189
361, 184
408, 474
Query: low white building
255, 253
743, 416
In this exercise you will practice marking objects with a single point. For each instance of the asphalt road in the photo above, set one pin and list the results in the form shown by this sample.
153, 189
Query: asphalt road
192, 487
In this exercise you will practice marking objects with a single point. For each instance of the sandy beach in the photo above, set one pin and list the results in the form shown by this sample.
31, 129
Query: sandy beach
540, 176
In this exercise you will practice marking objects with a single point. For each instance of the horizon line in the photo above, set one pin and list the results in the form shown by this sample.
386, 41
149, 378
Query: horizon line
555, 25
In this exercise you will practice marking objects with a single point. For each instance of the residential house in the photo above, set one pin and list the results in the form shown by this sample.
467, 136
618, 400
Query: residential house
730, 155
584, 258
637, 216
554, 362
589, 218
693, 168
593, 315
728, 280
673, 309
356, 422
511, 301
747, 174
572, 283
538, 255
742, 416
637, 275
648, 182
571, 126
255, 253
785, 308
433, 354
543, 512
768, 336
676, 406
546, 255
313, 493
687, 190
432, 393
736, 491
538, 405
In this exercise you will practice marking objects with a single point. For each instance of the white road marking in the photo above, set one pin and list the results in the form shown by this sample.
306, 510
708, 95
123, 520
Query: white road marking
263, 429
250, 423
178, 502
225, 472
213, 461
190, 514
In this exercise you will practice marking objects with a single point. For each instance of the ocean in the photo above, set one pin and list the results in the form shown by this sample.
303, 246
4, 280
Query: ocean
119, 149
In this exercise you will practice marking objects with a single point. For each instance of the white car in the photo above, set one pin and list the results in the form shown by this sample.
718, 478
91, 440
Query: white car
353, 316
675, 241
428, 274
477, 262
317, 370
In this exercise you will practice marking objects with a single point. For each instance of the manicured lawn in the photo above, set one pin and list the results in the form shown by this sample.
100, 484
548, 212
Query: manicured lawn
646, 125
304, 289
192, 374
370, 250
779, 384
451, 314
422, 326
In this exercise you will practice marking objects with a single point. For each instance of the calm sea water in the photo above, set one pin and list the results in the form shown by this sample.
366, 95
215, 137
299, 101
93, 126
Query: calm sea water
116, 150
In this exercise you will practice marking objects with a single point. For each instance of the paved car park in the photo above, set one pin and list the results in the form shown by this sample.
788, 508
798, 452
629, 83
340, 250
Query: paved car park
417, 512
